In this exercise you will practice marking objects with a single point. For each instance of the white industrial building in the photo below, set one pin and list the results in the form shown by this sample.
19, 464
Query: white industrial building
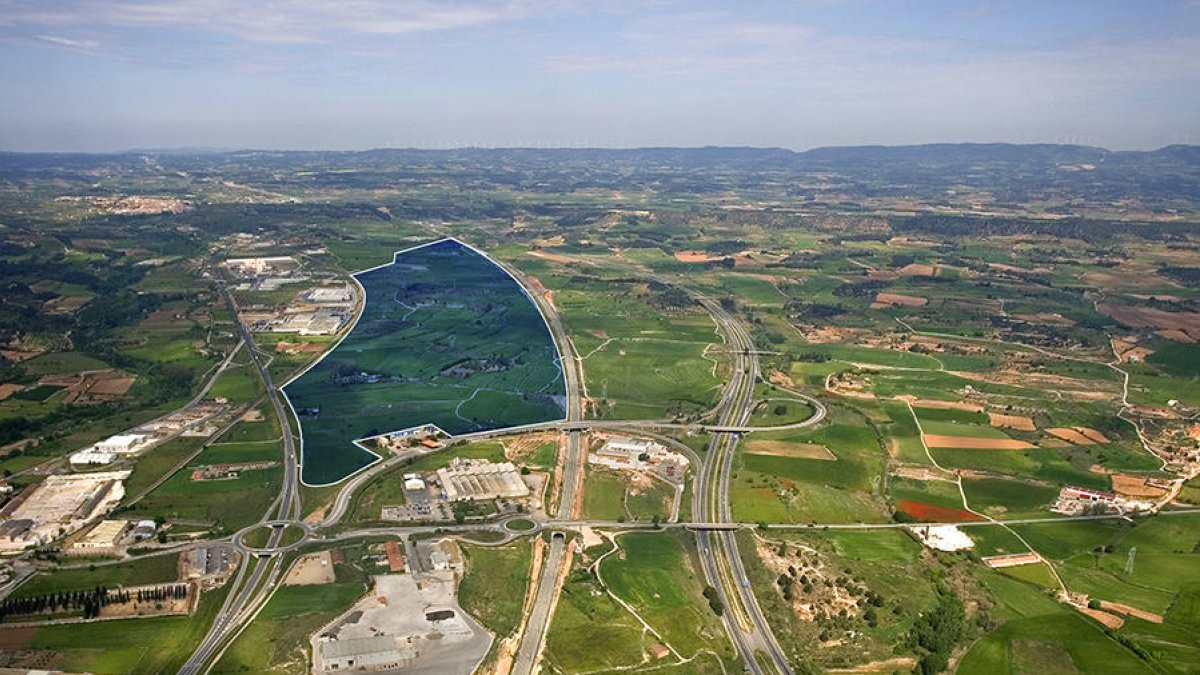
380, 652
481, 479
91, 457
103, 538
120, 444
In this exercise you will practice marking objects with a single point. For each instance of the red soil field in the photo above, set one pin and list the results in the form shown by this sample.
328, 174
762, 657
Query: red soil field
933, 513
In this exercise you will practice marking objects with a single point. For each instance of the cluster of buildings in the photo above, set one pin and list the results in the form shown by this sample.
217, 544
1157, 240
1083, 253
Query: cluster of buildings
648, 457
107, 450
409, 620
232, 470
1078, 501
267, 273
479, 479
58, 506
431, 497
191, 421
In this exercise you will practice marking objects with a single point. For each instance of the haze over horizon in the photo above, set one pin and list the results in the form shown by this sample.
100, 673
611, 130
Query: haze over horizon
107, 75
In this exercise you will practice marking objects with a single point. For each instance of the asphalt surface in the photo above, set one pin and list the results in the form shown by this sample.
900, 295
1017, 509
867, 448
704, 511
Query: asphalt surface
252, 589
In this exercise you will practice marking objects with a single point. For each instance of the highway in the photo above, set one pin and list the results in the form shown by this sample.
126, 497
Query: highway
538, 622
250, 590
719, 558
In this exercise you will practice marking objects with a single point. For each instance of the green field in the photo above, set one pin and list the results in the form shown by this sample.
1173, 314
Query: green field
494, 584
658, 577
1050, 644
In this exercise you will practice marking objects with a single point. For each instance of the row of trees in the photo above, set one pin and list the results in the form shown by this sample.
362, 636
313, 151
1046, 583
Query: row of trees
90, 602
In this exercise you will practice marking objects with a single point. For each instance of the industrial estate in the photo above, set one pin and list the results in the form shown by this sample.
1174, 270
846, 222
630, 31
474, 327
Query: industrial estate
858, 410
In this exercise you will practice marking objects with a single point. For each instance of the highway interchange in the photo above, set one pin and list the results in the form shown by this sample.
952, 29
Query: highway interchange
263, 567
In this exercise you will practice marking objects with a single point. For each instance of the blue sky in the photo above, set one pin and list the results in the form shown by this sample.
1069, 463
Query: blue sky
115, 74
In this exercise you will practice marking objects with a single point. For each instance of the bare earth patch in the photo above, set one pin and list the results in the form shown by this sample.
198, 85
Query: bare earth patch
1135, 486
7, 390
552, 257
918, 269
940, 405
973, 443
898, 300
313, 569
1078, 435
1106, 619
792, 450
1011, 422
1131, 611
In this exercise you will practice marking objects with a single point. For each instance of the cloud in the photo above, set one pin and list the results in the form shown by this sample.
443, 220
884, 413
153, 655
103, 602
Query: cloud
58, 41
267, 21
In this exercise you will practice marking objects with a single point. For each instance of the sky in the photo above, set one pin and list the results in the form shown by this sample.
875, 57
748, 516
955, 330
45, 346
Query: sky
106, 75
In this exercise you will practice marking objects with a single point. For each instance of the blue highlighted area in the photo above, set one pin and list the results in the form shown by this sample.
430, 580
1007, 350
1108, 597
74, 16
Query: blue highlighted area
447, 338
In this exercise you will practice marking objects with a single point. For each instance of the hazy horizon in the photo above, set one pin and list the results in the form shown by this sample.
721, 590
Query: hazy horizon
116, 75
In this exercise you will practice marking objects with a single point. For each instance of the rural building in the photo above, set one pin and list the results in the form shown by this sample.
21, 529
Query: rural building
120, 444
144, 529
413, 482
394, 557
481, 479
92, 458
628, 454
381, 652
103, 538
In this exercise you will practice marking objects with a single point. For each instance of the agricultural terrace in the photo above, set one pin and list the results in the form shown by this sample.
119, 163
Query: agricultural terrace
446, 337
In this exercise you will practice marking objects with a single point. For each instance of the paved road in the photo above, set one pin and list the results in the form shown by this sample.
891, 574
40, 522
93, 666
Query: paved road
719, 558
538, 623
252, 589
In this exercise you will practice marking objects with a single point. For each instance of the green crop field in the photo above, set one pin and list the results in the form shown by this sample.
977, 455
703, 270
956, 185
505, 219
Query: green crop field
1053, 643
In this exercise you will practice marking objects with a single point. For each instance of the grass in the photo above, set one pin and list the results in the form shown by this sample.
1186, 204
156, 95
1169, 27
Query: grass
277, 639
494, 584
603, 495
658, 577
590, 631
147, 570
129, 646
1004, 497
1039, 644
